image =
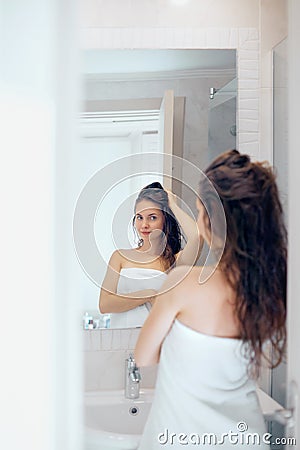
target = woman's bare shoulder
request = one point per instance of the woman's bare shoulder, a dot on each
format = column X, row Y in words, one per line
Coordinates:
column 179, row 278
column 121, row 256
column 123, row 253
column 188, row 279
column 204, row 284
column 124, row 257
column 184, row 270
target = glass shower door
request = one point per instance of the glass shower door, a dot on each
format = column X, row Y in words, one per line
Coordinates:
column 222, row 119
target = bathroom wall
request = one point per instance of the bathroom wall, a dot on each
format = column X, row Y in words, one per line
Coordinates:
column 104, row 357
column 273, row 29
column 281, row 164
column 165, row 13
column 280, row 116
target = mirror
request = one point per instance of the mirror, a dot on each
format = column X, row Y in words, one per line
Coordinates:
column 124, row 92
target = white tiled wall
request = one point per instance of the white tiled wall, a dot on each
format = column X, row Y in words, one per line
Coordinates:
column 109, row 339
column 105, row 351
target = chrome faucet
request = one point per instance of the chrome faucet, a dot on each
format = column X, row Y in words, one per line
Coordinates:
column 132, row 378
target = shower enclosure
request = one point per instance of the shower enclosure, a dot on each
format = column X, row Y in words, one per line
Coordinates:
column 222, row 119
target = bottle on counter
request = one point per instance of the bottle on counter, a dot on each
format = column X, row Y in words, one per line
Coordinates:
column 87, row 321
column 104, row 321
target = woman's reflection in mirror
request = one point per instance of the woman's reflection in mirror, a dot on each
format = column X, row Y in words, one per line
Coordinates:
column 134, row 276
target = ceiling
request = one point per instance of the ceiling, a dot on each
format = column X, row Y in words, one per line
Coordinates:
column 139, row 61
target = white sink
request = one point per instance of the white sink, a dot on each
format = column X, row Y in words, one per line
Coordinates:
column 114, row 422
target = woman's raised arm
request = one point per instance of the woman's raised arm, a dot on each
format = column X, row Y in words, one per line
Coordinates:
column 194, row 244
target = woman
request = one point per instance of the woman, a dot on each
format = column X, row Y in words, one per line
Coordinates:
column 209, row 338
column 134, row 276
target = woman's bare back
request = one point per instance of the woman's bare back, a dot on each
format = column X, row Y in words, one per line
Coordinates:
column 208, row 308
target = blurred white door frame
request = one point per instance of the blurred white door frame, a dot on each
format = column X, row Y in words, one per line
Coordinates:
column 40, row 387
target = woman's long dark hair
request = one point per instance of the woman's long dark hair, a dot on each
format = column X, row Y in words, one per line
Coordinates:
column 255, row 255
column 155, row 193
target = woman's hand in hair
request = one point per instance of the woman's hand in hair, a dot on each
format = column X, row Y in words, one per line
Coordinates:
column 172, row 198
column 194, row 242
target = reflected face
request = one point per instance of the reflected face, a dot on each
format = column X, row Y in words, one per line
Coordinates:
column 148, row 217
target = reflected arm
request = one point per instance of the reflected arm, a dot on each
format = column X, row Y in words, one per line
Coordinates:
column 110, row 301
column 194, row 244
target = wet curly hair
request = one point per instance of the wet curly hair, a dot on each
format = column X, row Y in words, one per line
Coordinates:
column 254, row 260
column 155, row 193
